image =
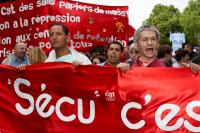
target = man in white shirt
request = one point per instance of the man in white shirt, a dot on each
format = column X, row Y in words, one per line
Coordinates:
column 59, row 38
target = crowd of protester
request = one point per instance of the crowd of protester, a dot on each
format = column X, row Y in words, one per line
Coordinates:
column 144, row 51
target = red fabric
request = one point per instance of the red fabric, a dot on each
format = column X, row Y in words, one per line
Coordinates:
column 111, row 91
column 90, row 25
column 131, row 32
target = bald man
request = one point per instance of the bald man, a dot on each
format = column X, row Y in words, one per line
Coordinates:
column 19, row 56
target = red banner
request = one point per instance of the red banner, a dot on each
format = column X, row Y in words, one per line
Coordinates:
column 90, row 25
column 56, row 97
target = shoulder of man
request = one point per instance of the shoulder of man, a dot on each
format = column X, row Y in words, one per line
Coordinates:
column 51, row 57
column 80, row 57
column 7, row 60
column 158, row 63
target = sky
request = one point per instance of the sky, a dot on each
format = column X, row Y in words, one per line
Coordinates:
column 139, row 10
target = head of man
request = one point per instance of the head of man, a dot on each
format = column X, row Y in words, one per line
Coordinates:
column 59, row 36
column 114, row 53
column 20, row 50
column 182, row 56
column 165, row 53
column 147, row 41
column 188, row 47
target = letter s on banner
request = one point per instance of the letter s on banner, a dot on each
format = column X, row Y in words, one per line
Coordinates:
column 162, row 124
column 124, row 111
column 19, row 108
column 189, row 110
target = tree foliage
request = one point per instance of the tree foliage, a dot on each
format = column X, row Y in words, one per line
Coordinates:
column 169, row 19
column 166, row 19
column 190, row 21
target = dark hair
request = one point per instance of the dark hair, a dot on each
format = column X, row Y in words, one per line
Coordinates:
column 189, row 44
column 163, row 50
column 130, row 42
column 117, row 43
column 65, row 29
column 196, row 60
column 180, row 53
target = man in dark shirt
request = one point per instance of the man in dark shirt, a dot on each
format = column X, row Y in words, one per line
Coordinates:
column 189, row 48
column 114, row 54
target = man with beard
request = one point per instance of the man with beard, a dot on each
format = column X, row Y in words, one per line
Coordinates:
column 114, row 54
column 147, row 41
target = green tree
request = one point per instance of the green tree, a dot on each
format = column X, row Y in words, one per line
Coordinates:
column 166, row 19
column 190, row 21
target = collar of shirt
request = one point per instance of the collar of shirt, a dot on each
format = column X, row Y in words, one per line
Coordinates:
column 106, row 64
column 15, row 61
column 154, row 63
column 65, row 58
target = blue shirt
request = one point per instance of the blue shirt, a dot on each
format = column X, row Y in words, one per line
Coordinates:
column 15, row 62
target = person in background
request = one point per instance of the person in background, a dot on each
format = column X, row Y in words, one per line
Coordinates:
column 19, row 56
column 96, row 60
column 165, row 55
column 196, row 60
column 189, row 48
column 36, row 55
column 195, row 64
column 182, row 58
column 195, row 67
column 147, row 40
column 133, row 54
column 59, row 38
column 114, row 54
column 126, row 54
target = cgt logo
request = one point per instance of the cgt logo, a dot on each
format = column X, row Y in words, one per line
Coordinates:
column 110, row 95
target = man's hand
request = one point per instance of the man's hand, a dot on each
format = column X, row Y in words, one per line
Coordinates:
column 194, row 67
column 124, row 67
column 21, row 67
column 77, row 63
